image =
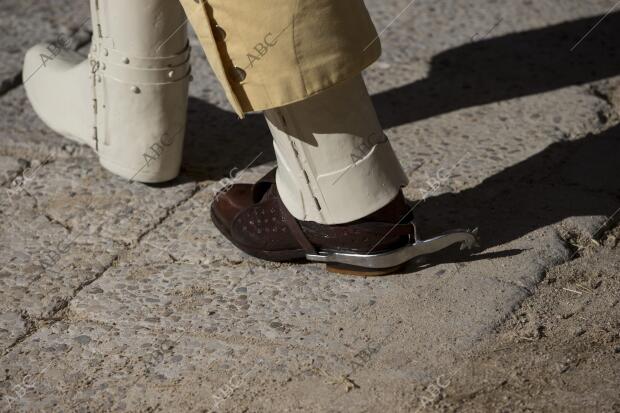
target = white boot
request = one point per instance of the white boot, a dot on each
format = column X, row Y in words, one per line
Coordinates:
column 335, row 164
column 128, row 101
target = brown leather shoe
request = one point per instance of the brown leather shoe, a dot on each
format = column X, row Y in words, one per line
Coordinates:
column 255, row 220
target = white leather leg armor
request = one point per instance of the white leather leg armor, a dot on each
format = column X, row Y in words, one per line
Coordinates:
column 128, row 100
column 335, row 164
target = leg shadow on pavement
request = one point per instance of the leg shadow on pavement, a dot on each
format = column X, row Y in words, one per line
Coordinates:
column 216, row 142
column 567, row 179
column 506, row 67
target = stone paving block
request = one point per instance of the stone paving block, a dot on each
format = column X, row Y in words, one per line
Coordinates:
column 42, row 264
column 443, row 311
column 58, row 233
column 396, row 351
column 343, row 335
column 62, row 361
column 289, row 303
column 423, row 306
column 91, row 366
column 79, row 193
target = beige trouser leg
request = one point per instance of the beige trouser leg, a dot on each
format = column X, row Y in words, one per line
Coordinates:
column 335, row 164
column 128, row 100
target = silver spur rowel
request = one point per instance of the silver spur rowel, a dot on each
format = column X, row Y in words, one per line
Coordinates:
column 390, row 259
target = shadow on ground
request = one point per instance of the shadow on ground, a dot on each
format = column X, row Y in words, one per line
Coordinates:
column 217, row 141
column 507, row 67
column 567, row 179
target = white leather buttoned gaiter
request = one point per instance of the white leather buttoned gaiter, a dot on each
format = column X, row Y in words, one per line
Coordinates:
column 335, row 164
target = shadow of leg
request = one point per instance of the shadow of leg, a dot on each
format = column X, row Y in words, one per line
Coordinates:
column 217, row 141
column 507, row 67
column 567, row 179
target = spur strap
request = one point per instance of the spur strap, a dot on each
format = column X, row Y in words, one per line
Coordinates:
column 298, row 233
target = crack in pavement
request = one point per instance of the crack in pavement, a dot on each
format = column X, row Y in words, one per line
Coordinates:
column 39, row 323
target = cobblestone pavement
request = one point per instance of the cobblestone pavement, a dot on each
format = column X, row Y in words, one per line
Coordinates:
column 118, row 296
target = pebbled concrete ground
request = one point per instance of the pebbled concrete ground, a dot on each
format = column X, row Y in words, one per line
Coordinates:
column 121, row 296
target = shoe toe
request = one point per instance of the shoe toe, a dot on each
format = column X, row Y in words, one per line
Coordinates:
column 57, row 82
column 229, row 202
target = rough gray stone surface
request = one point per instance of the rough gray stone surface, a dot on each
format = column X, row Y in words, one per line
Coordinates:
column 9, row 168
column 118, row 296
column 22, row 22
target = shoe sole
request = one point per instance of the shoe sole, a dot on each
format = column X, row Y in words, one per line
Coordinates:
column 361, row 271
